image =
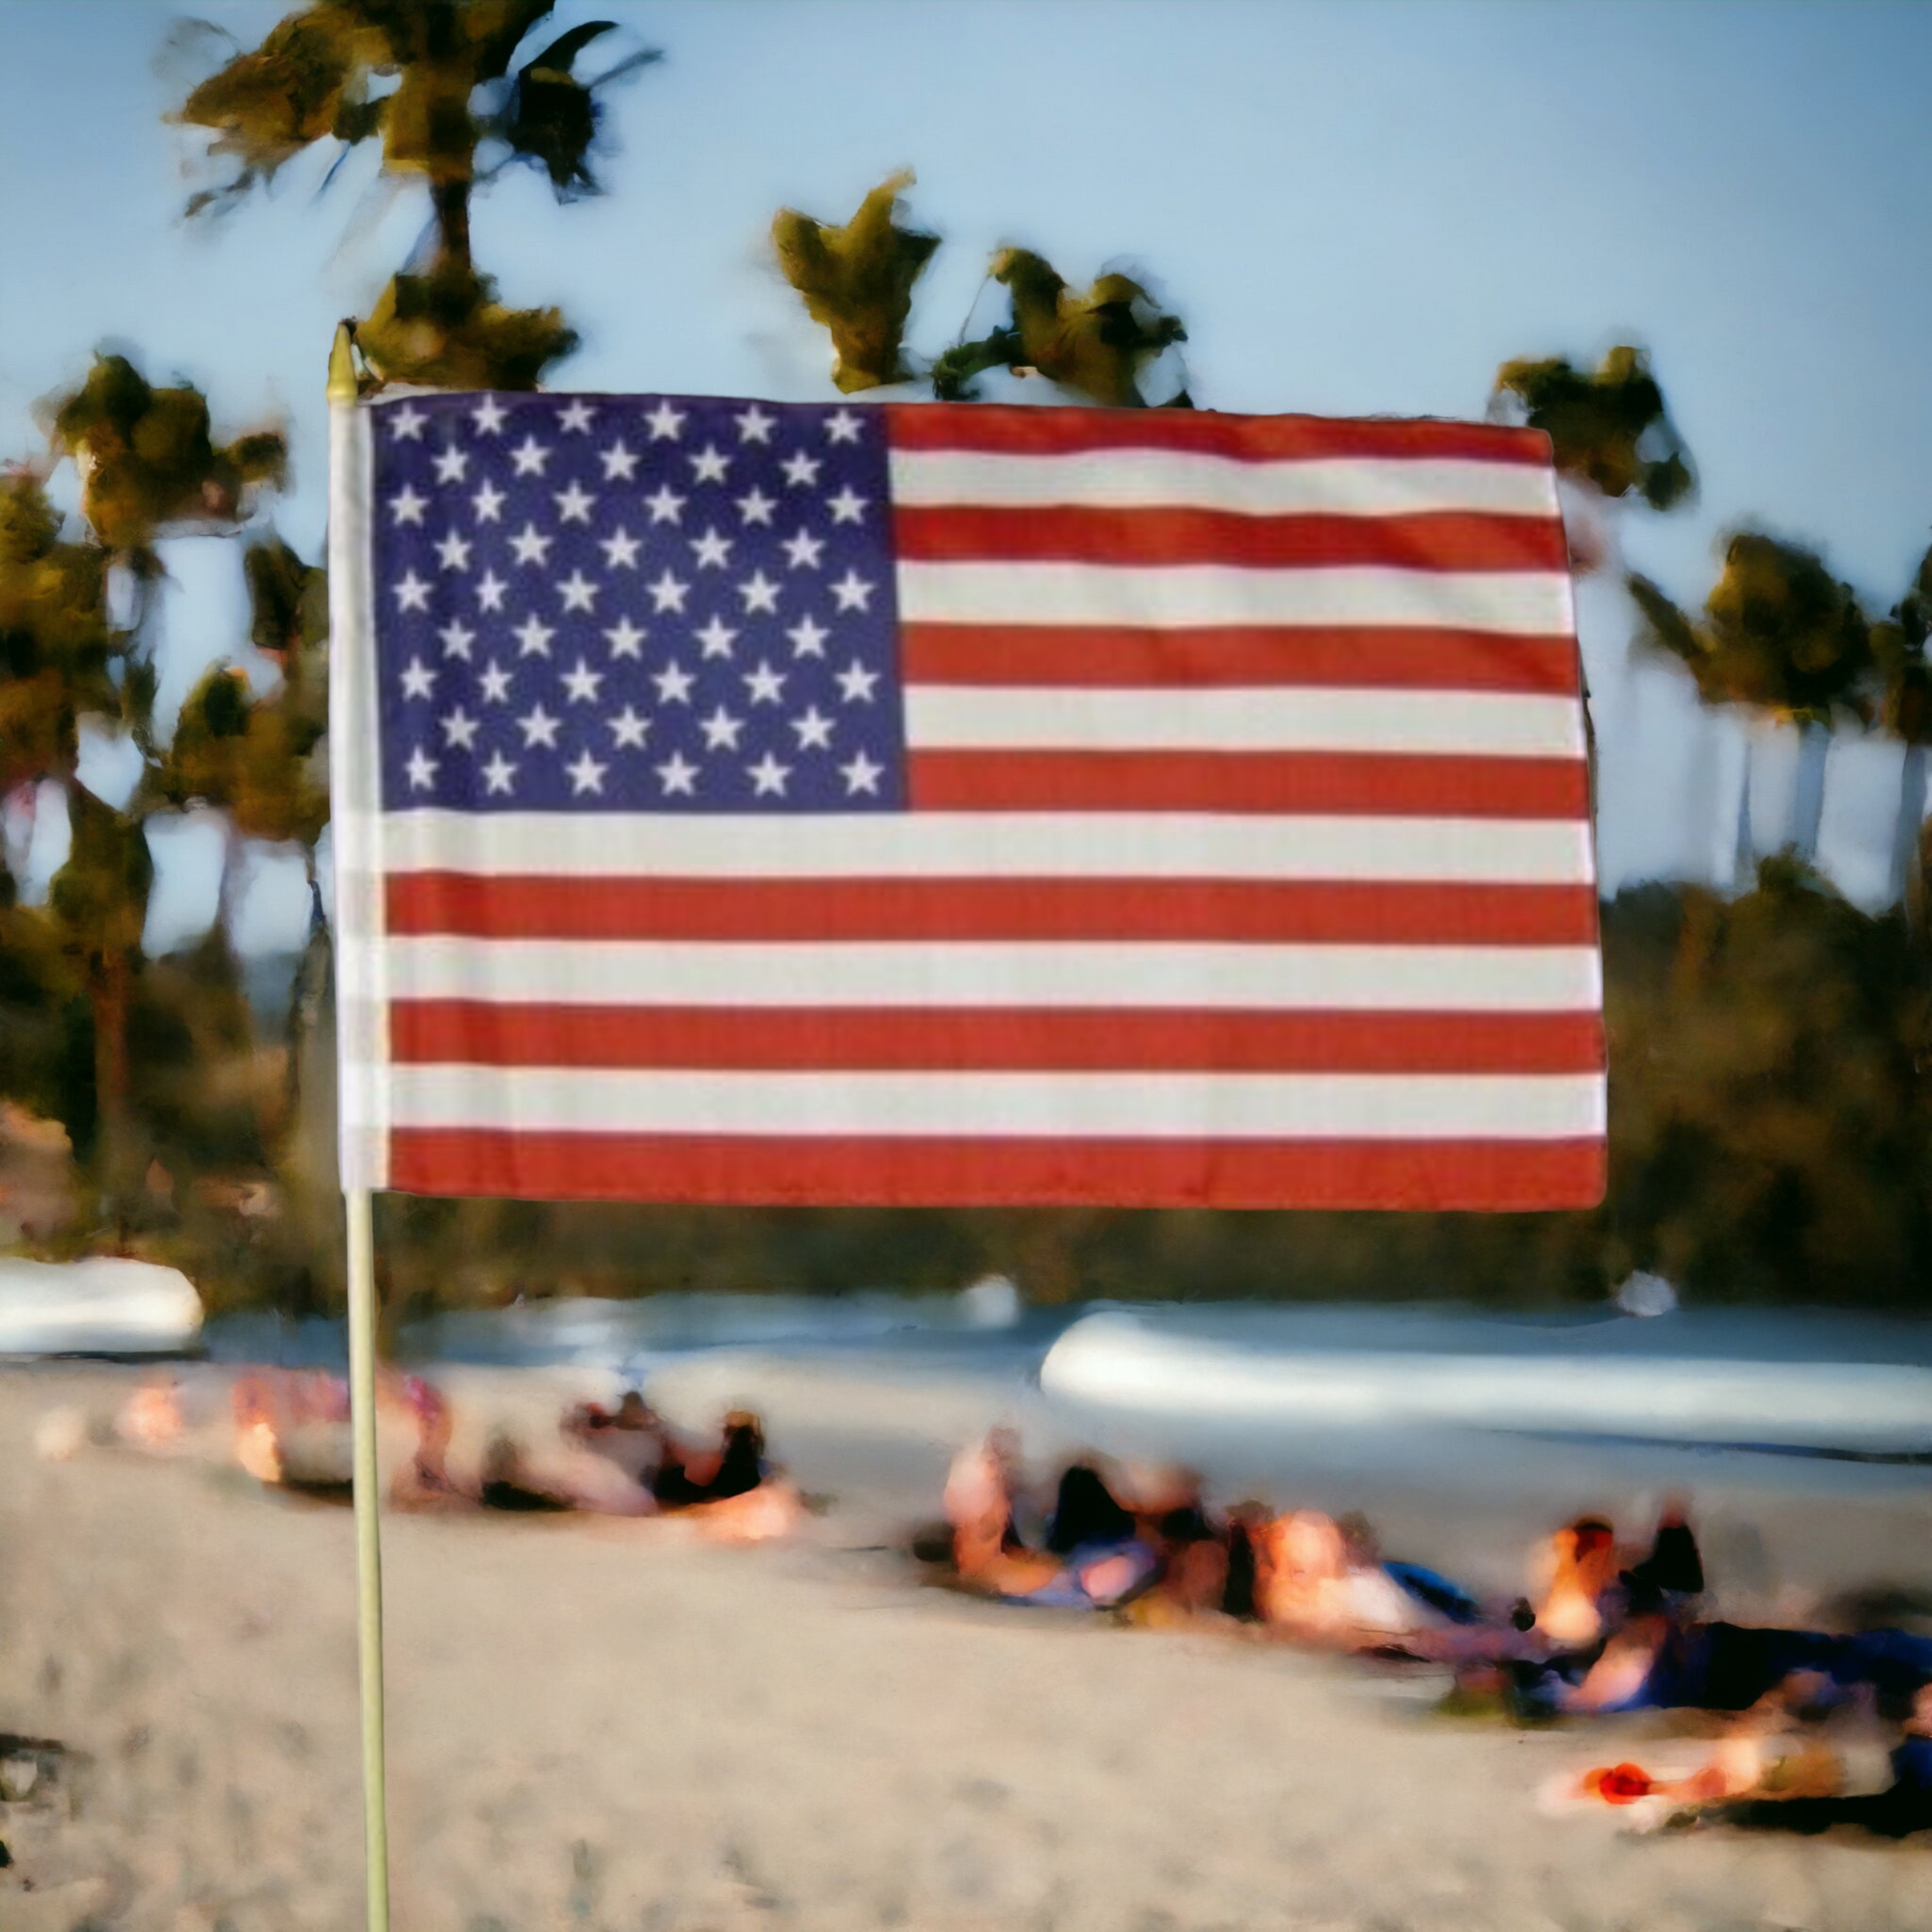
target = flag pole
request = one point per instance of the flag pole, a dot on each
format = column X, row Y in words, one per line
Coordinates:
column 346, row 519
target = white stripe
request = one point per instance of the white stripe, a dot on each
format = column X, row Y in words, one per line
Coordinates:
column 1129, row 479
column 354, row 787
column 1139, row 1106
column 865, row 973
column 1470, row 724
column 1523, row 603
column 999, row 845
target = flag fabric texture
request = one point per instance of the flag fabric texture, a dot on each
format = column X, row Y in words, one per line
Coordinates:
column 920, row 804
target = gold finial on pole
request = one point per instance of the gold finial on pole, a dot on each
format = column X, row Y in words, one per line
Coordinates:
column 342, row 384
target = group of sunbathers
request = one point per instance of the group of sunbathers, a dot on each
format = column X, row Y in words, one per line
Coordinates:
column 1604, row 1628
column 290, row 1430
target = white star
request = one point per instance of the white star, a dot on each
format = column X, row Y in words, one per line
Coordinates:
column 456, row 637
column 848, row 506
column 408, row 506
column 716, row 637
column 573, row 505
column 765, row 685
column 406, row 424
column 629, row 729
column 800, row 470
column 815, row 730
column 667, row 593
column 581, row 685
column 709, row 464
column 539, row 727
column 759, row 593
column 842, row 428
column 666, row 422
column 720, row 729
column 578, row 591
column 498, row 772
column 768, row 775
column 494, row 684
column 489, row 501
column 459, row 729
column 533, row 637
column 418, row 680
column 490, row 591
column 675, row 774
column 624, row 637
column 576, row 416
column 711, row 550
column 853, row 592
column 450, row 465
column 804, row 550
column 530, row 545
column 487, row 416
column 755, row 507
column 421, row 770
column 618, row 463
column 453, row 553
column 529, row 457
column 412, row 593
column 586, row 774
column 754, row 425
column 665, row 504
column 856, row 682
column 861, row 775
column 673, row 684
column 807, row 639
column 621, row 547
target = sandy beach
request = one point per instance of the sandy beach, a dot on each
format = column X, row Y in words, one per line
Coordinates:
column 610, row 1725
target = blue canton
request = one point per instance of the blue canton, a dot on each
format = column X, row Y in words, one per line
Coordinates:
column 634, row 604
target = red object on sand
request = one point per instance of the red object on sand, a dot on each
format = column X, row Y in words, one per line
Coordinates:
column 1623, row 1784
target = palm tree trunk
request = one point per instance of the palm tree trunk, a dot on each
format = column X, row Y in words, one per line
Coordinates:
column 451, row 201
column 1743, row 869
column 108, row 989
column 1807, row 795
column 1908, row 882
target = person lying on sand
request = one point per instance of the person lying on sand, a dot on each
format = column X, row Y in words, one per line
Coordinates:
column 732, row 1493
column 1903, row 1807
column 1656, row 1663
column 1763, row 1754
column 1319, row 1582
column 1579, row 1569
column 1094, row 1557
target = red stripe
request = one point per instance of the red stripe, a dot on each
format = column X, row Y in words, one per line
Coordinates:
column 1447, row 540
column 1342, row 912
column 1015, row 430
column 1375, row 784
column 1362, row 657
column 1493, row 1175
column 477, row 1033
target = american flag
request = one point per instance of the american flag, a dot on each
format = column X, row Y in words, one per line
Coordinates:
column 743, row 801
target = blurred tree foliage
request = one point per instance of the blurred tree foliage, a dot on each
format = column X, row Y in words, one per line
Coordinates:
column 856, row 284
column 1782, row 638
column 439, row 85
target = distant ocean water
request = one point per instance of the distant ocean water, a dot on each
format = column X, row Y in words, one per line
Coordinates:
column 1786, row 1380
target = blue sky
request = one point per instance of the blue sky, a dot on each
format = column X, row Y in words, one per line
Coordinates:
column 1358, row 208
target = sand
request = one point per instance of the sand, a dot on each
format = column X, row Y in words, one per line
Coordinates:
column 611, row 1726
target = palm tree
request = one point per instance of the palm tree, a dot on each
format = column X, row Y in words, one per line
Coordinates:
column 457, row 95
column 857, row 283
column 149, row 468
column 1780, row 636
column 1611, row 437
